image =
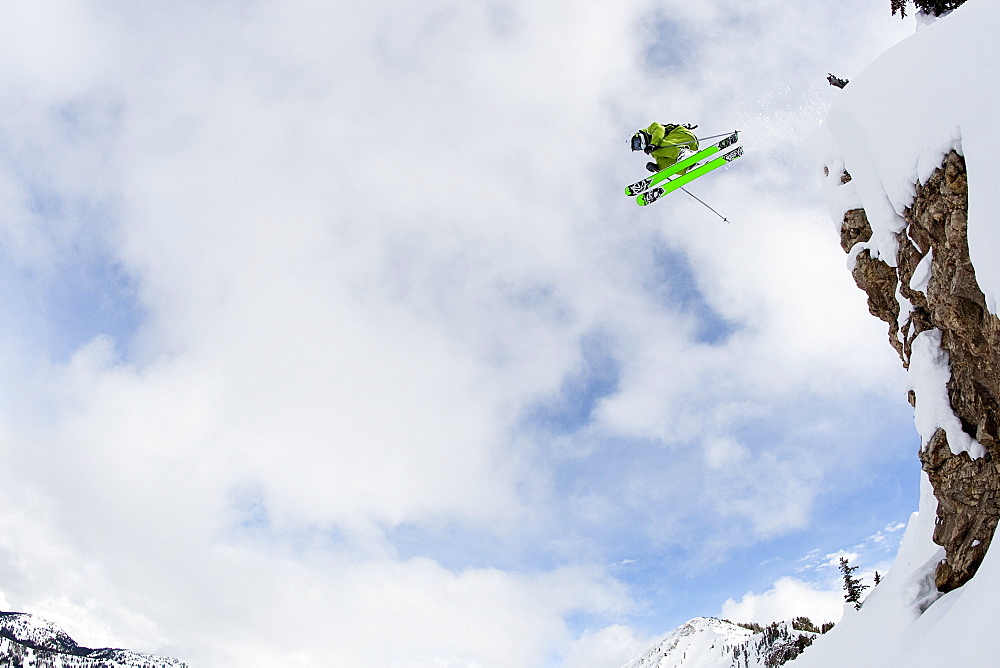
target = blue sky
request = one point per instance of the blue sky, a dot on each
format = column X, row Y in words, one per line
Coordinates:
column 338, row 313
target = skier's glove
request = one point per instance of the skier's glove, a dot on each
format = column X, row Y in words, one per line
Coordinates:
column 649, row 150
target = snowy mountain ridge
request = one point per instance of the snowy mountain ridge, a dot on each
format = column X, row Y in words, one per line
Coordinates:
column 34, row 631
column 28, row 641
column 707, row 642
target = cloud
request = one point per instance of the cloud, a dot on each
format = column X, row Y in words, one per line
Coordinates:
column 724, row 453
column 788, row 598
column 874, row 553
column 297, row 299
column 606, row 647
column 817, row 591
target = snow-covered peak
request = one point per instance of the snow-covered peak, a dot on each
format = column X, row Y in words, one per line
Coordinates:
column 29, row 640
column 703, row 641
column 35, row 632
column 706, row 642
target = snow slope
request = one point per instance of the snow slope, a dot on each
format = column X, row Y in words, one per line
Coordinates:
column 705, row 642
column 936, row 91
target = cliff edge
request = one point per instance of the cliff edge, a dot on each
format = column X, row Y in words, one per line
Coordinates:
column 910, row 177
column 930, row 299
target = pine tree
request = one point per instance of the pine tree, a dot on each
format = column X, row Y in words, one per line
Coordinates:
column 933, row 7
column 878, row 578
column 852, row 585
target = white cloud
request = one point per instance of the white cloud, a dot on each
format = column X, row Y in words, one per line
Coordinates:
column 788, row 598
column 367, row 242
column 724, row 453
column 52, row 45
column 613, row 645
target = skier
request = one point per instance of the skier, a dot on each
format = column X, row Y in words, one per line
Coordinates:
column 678, row 160
column 667, row 144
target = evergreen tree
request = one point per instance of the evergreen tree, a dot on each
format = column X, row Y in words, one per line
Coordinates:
column 878, row 578
column 852, row 585
column 933, row 7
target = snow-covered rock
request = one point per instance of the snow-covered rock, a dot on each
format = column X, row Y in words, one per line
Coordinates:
column 912, row 154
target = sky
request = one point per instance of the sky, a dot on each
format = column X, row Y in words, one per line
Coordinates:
column 328, row 337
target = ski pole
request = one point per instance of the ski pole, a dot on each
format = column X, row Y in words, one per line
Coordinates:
column 724, row 134
column 706, row 206
column 716, row 136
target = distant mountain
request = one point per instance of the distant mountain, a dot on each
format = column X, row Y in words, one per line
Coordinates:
column 27, row 640
column 706, row 642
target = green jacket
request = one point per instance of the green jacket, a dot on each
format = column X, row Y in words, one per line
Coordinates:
column 668, row 141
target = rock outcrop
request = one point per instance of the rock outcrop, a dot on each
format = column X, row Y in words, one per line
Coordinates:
column 934, row 286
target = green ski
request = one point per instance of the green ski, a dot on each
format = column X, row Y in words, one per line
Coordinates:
column 650, row 181
column 673, row 184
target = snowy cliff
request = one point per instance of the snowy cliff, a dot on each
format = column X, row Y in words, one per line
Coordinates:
column 910, row 177
column 27, row 641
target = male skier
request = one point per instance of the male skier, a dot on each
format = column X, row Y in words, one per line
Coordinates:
column 667, row 144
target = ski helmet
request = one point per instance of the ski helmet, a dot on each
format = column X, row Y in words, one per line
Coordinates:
column 640, row 140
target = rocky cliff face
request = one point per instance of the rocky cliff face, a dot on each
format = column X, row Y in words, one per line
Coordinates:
column 933, row 289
